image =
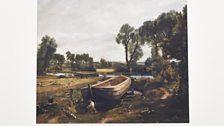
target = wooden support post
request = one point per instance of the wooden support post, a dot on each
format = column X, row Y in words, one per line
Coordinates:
column 90, row 91
column 71, row 93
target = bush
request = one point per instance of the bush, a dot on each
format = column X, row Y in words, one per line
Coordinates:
column 121, row 68
column 139, row 69
column 87, row 68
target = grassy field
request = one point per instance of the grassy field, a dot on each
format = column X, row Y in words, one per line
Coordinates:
column 105, row 70
column 57, row 87
column 52, row 83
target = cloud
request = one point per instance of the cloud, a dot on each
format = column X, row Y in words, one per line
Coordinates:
column 90, row 26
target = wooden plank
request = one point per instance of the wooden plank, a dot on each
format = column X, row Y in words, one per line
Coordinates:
column 90, row 91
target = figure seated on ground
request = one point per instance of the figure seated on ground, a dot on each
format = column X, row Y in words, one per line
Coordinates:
column 91, row 107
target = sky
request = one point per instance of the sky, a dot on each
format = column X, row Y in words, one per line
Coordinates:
column 91, row 26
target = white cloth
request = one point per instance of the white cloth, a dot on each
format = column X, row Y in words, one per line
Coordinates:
column 91, row 105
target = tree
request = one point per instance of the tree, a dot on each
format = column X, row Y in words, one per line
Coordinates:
column 130, row 39
column 158, row 33
column 78, row 59
column 179, row 39
column 83, row 59
column 169, row 33
column 135, row 52
column 175, row 46
column 109, row 64
column 45, row 53
column 68, row 55
column 103, row 63
column 148, row 61
column 84, row 62
column 58, row 59
column 90, row 61
column 71, row 58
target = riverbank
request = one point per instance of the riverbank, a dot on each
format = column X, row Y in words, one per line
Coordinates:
column 152, row 104
column 53, row 83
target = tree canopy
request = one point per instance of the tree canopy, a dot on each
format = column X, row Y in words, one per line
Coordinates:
column 158, row 32
column 130, row 39
column 58, row 59
column 70, row 57
column 168, row 33
column 45, row 53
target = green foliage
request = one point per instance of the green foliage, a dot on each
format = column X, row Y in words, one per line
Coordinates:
column 58, row 60
column 168, row 33
column 76, row 95
column 70, row 57
column 148, row 61
column 120, row 68
column 130, row 39
column 165, row 73
column 134, row 49
column 178, row 39
column 124, row 36
column 158, row 32
column 87, row 68
column 104, row 63
column 80, row 60
column 83, row 59
column 45, row 53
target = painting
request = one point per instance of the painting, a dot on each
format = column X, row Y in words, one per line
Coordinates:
column 112, row 61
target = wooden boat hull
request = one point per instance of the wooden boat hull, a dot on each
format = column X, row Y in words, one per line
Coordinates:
column 111, row 92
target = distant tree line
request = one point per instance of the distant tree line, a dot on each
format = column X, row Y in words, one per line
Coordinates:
column 47, row 58
column 80, row 61
column 105, row 64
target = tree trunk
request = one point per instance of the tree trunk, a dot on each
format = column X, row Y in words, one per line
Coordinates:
column 164, row 54
column 156, row 50
column 133, row 53
column 156, row 41
column 126, row 57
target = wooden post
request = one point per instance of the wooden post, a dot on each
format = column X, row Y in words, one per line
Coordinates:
column 90, row 91
column 71, row 93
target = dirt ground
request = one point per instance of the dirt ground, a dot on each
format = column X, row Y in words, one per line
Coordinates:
column 52, row 83
column 156, row 105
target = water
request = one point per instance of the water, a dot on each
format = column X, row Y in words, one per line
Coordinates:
column 133, row 76
column 61, row 74
column 137, row 76
column 142, row 76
